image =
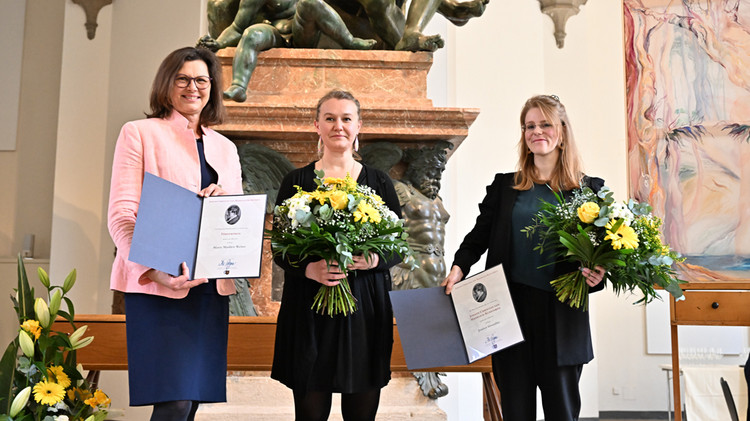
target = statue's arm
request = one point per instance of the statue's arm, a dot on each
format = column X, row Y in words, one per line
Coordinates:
column 402, row 191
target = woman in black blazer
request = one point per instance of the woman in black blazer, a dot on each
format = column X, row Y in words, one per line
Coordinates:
column 557, row 338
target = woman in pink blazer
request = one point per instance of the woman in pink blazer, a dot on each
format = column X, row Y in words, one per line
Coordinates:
column 176, row 326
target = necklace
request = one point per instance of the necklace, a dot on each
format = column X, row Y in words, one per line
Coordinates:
column 350, row 172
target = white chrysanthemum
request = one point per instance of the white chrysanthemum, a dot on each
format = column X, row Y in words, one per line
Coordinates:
column 620, row 210
column 295, row 204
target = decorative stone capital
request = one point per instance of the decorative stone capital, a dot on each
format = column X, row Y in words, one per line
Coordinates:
column 560, row 11
column 92, row 7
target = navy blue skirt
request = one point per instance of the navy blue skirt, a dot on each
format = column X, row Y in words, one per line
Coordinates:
column 177, row 349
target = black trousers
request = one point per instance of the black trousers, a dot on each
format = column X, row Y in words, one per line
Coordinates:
column 520, row 369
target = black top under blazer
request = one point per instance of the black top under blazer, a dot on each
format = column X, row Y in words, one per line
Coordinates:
column 492, row 233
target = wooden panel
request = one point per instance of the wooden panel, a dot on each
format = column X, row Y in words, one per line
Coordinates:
column 719, row 308
column 251, row 341
column 716, row 284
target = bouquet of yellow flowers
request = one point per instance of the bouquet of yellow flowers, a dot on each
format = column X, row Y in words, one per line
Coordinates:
column 44, row 382
column 595, row 230
column 336, row 221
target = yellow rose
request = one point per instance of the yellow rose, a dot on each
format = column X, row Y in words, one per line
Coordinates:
column 588, row 212
column 339, row 199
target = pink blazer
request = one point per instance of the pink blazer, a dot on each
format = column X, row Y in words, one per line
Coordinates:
column 166, row 148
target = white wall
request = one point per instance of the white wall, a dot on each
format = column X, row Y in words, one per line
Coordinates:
column 27, row 171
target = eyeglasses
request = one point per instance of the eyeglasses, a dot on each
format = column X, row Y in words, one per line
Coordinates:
column 532, row 127
column 183, row 81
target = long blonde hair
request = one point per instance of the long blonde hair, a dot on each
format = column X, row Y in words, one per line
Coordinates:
column 569, row 170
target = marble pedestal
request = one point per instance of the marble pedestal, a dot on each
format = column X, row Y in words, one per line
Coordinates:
column 259, row 398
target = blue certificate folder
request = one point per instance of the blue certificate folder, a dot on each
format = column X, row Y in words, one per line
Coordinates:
column 168, row 227
column 166, row 231
column 428, row 327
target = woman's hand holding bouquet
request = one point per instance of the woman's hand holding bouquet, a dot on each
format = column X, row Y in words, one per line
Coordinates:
column 346, row 225
column 595, row 230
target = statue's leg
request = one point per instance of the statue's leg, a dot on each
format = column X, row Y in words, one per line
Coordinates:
column 386, row 19
column 245, row 16
column 256, row 38
column 314, row 17
column 459, row 12
column 419, row 15
column 220, row 15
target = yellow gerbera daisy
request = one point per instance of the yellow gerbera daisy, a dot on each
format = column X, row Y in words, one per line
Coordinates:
column 624, row 237
column 32, row 326
column 365, row 212
column 59, row 375
column 48, row 393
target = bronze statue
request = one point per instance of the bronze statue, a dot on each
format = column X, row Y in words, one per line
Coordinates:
column 421, row 13
column 425, row 219
column 424, row 215
column 258, row 25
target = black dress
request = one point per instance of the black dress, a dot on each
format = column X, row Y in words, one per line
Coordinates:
column 344, row 354
column 177, row 348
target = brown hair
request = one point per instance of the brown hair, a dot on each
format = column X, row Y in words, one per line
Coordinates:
column 568, row 171
column 337, row 94
column 161, row 104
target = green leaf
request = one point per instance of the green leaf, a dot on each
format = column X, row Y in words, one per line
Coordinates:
column 674, row 289
column 71, row 309
column 7, row 376
column 25, row 309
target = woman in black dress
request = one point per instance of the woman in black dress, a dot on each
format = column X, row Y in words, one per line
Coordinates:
column 316, row 355
column 557, row 338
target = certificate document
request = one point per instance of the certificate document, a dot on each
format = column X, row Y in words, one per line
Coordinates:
column 231, row 236
column 438, row 330
column 217, row 236
column 485, row 313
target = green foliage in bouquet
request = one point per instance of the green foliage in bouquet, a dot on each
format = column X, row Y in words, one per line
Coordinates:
column 336, row 221
column 595, row 230
column 43, row 382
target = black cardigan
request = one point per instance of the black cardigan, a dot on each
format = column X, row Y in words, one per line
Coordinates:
column 491, row 233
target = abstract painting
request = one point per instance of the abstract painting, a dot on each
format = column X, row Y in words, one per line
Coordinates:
column 688, row 104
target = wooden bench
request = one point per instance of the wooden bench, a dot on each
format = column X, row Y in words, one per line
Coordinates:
column 250, row 348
